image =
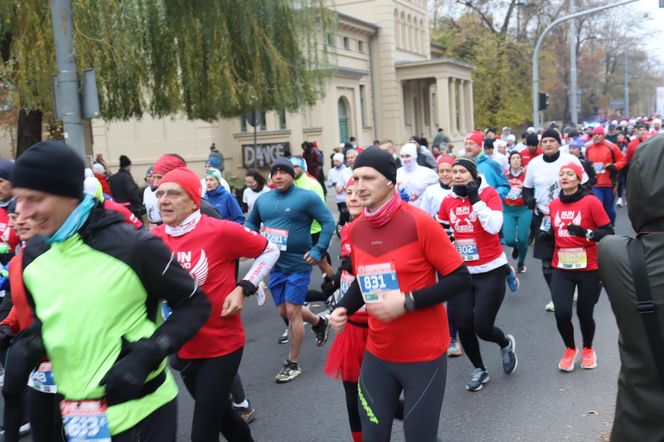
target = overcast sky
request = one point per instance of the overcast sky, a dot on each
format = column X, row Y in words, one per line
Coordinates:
column 650, row 34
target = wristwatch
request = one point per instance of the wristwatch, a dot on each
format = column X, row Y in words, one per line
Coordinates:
column 590, row 235
column 409, row 302
column 248, row 288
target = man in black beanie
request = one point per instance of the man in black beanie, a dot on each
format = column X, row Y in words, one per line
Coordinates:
column 95, row 284
column 532, row 149
column 398, row 250
column 125, row 190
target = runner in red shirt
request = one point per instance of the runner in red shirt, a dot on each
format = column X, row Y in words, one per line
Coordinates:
column 396, row 251
column 517, row 216
column 607, row 160
column 532, row 149
column 578, row 222
column 209, row 362
column 474, row 212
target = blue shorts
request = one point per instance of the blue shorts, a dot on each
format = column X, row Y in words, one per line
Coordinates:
column 289, row 288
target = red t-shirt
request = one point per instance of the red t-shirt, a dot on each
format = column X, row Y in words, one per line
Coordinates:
column 20, row 316
column 7, row 234
column 210, row 253
column 476, row 245
column 514, row 196
column 526, row 156
column 416, row 245
column 574, row 252
column 601, row 155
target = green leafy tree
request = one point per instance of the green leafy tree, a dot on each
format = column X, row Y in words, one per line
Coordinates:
column 206, row 59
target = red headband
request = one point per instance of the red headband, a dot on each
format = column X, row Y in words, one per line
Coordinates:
column 576, row 168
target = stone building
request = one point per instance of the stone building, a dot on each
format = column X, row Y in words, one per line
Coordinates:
column 390, row 82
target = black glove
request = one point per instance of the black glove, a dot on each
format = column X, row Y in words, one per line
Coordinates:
column 531, row 203
column 473, row 192
column 328, row 286
column 612, row 168
column 346, row 263
column 460, row 190
column 6, row 336
column 545, row 236
column 575, row 230
column 125, row 380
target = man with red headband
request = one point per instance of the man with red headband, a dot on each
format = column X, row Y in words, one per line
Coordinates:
column 607, row 160
column 210, row 361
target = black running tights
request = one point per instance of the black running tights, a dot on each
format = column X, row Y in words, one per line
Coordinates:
column 475, row 312
column 209, row 382
column 563, row 284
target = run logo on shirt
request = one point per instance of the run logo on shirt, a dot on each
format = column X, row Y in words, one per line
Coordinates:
column 200, row 271
column 564, row 219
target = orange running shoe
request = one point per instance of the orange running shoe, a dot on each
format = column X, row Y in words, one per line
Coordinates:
column 568, row 360
column 589, row 358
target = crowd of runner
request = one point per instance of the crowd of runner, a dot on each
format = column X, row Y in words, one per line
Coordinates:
column 431, row 240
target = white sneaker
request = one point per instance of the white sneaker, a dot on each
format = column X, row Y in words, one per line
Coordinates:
column 619, row 203
column 549, row 307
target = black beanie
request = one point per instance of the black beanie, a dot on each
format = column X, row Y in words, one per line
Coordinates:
column 380, row 160
column 469, row 164
column 6, row 169
column 532, row 140
column 552, row 133
column 124, row 161
column 51, row 167
column 283, row 164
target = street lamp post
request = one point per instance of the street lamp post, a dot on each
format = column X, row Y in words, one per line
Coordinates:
column 540, row 40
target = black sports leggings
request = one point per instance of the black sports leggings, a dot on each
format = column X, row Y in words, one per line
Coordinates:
column 352, row 402
column 44, row 415
column 159, row 426
column 562, row 292
column 475, row 312
column 209, row 382
column 380, row 384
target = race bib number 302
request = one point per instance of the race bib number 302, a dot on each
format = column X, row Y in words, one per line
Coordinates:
column 85, row 421
column 467, row 248
column 377, row 279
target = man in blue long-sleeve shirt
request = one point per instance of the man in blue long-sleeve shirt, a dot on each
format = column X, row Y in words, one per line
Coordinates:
column 286, row 215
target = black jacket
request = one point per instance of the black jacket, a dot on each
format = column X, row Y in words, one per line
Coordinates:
column 124, row 190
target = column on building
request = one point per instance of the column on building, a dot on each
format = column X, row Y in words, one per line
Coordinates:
column 463, row 120
column 468, row 97
column 443, row 103
column 454, row 129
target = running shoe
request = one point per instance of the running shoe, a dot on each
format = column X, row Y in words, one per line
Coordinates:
column 549, row 307
column 508, row 353
column 22, row 430
column 321, row 330
column 619, row 203
column 512, row 280
column 247, row 413
column 289, row 372
column 589, row 358
column 521, row 268
column 283, row 339
column 568, row 360
column 515, row 253
column 477, row 380
column 454, row 350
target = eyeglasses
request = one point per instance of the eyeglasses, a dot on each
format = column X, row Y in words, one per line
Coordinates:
column 171, row 194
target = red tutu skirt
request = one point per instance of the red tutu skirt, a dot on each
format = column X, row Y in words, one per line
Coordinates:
column 345, row 356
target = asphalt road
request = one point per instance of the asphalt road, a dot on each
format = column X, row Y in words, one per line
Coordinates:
column 536, row 403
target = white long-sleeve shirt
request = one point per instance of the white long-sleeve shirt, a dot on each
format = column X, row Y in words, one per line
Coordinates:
column 339, row 175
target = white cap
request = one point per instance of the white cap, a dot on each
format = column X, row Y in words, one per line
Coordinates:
column 531, row 130
column 91, row 185
column 338, row 157
column 98, row 168
column 409, row 148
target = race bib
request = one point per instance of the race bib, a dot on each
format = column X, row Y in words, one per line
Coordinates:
column 278, row 237
column 599, row 168
column 572, row 258
column 42, row 380
column 514, row 194
column 376, row 280
column 467, row 248
column 85, row 421
column 346, row 280
column 546, row 223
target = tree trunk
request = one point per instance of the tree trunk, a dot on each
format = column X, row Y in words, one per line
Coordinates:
column 29, row 130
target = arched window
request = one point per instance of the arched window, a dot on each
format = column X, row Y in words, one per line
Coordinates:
column 397, row 29
column 404, row 32
column 342, row 109
column 409, row 23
